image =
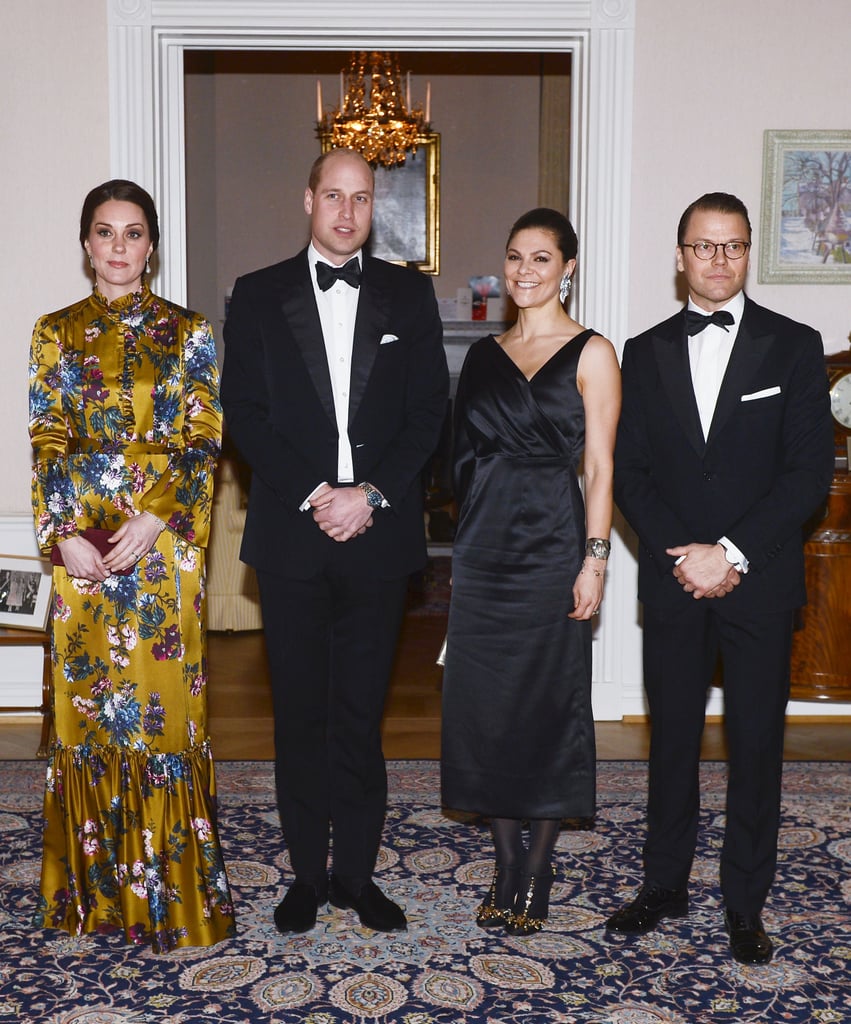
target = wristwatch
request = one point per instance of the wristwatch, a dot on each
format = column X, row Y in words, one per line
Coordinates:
column 374, row 497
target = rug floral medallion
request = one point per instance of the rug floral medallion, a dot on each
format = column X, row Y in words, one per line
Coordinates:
column 444, row 970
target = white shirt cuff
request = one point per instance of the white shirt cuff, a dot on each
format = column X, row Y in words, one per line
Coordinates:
column 305, row 505
column 734, row 555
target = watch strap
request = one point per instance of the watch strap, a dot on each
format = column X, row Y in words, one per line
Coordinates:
column 374, row 497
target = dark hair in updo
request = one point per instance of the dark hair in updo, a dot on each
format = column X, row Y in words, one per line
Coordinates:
column 545, row 219
column 124, row 191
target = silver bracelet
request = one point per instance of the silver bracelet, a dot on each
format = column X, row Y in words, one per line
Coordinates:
column 596, row 547
column 156, row 519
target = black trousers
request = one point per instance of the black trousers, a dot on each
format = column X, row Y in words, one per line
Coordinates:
column 331, row 642
column 680, row 656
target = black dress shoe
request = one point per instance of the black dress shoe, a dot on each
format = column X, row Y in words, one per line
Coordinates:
column 652, row 903
column 373, row 908
column 748, row 942
column 297, row 910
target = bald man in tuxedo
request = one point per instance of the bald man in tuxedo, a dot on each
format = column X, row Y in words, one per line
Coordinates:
column 334, row 388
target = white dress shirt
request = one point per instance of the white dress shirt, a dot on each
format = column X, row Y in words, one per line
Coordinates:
column 338, row 308
column 709, row 353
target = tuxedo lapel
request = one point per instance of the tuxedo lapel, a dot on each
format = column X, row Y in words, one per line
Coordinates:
column 671, row 351
column 370, row 323
column 298, row 306
column 749, row 350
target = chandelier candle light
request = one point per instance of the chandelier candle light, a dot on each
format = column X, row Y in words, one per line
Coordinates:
column 373, row 118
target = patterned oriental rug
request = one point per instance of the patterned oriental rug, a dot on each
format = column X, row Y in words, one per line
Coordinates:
column 444, row 970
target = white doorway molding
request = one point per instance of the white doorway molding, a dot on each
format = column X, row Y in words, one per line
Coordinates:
column 147, row 40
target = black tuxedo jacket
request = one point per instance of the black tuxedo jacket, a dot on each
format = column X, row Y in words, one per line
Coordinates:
column 276, row 393
column 757, row 478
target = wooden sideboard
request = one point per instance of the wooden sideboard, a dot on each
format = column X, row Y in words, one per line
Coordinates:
column 821, row 647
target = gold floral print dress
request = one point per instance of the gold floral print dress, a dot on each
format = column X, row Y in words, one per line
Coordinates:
column 125, row 417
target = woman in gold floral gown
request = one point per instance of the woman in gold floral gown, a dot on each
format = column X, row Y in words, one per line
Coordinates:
column 125, row 425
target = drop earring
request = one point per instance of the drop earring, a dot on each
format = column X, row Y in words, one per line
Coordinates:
column 564, row 288
column 148, row 265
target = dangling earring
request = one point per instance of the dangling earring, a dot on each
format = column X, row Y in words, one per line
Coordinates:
column 564, row 288
column 148, row 265
column 91, row 261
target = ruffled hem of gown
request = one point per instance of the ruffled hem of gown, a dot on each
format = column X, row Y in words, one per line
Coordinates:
column 131, row 845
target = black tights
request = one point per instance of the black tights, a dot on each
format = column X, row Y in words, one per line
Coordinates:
column 508, row 840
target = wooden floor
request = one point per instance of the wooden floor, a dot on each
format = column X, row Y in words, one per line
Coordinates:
column 241, row 713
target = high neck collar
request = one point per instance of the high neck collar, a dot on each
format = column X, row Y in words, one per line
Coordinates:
column 126, row 305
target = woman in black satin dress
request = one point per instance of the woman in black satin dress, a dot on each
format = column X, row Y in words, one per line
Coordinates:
column 528, row 569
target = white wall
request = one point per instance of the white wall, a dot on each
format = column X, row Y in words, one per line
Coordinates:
column 54, row 146
column 771, row 65
column 778, row 65
column 774, row 66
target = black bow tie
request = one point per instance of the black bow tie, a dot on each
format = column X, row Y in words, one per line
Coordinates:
column 695, row 322
column 326, row 275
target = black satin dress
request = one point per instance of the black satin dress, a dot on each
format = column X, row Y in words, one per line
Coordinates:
column 518, row 731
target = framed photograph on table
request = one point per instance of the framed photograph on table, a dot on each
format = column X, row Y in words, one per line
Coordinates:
column 25, row 587
column 806, row 208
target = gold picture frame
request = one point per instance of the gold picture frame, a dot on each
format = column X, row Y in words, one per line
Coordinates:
column 406, row 218
column 806, row 207
column 25, row 588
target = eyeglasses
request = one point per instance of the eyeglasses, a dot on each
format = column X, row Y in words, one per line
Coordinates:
column 707, row 250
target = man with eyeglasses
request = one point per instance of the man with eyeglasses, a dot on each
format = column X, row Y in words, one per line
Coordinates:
column 724, row 451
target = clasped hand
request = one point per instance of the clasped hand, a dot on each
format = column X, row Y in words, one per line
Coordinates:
column 341, row 512
column 133, row 539
column 704, row 570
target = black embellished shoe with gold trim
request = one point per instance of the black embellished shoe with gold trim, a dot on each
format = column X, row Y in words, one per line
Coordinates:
column 495, row 911
column 532, row 905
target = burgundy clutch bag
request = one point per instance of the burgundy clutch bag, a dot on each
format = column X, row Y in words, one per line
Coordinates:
column 100, row 539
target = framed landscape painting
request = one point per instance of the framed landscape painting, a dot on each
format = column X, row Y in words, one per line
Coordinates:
column 806, row 208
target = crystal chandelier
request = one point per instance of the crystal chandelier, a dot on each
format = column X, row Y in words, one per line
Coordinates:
column 374, row 117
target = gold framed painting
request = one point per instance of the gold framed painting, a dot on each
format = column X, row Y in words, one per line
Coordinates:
column 806, row 208
column 406, row 217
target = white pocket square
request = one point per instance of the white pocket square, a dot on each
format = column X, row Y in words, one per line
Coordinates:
column 765, row 393
column 387, row 338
